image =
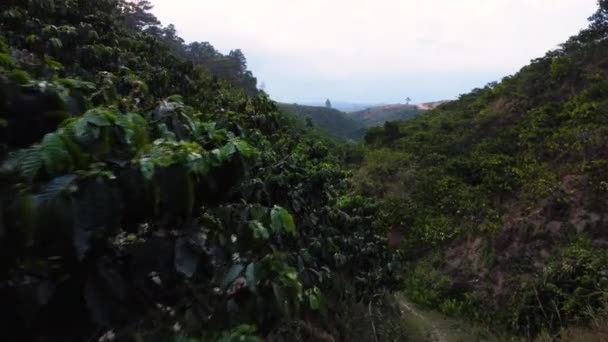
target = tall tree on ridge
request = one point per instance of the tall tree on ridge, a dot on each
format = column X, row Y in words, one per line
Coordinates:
column 139, row 16
column 600, row 18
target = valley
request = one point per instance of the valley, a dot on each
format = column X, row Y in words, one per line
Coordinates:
column 352, row 125
column 151, row 190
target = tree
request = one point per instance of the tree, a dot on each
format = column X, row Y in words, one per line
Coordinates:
column 309, row 122
column 391, row 130
column 599, row 21
column 139, row 16
column 239, row 60
column 327, row 103
column 408, row 100
column 201, row 53
column 170, row 38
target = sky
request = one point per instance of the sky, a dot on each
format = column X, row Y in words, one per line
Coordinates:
column 378, row 51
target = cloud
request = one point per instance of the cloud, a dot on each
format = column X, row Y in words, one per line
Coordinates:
column 339, row 41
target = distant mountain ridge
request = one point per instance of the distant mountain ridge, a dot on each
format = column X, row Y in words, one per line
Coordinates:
column 377, row 116
column 329, row 120
column 343, row 106
column 431, row 105
column 352, row 125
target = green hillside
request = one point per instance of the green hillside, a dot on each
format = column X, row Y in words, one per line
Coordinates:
column 501, row 196
column 378, row 116
column 350, row 126
column 329, row 120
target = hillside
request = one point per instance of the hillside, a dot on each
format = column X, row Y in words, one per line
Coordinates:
column 329, row 120
column 502, row 195
column 377, row 116
column 431, row 105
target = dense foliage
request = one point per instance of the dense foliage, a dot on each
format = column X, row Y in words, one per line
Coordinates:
column 494, row 192
column 131, row 213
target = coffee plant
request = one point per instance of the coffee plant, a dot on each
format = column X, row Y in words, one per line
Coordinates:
column 130, row 213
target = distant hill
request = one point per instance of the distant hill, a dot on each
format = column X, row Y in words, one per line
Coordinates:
column 431, row 105
column 329, row 120
column 347, row 107
column 377, row 116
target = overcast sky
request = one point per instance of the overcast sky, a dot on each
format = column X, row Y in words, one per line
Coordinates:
column 378, row 51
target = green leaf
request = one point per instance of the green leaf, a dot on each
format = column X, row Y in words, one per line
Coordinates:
column 259, row 231
column 98, row 117
column 200, row 166
column 313, row 302
column 176, row 99
column 30, row 162
column 56, row 157
column 215, row 158
column 54, row 188
column 79, row 159
column 258, row 213
column 227, row 151
column 244, row 148
column 281, row 220
column 314, row 297
column 87, row 129
column 165, row 133
column 134, row 129
column 83, row 134
column 147, row 168
column 56, row 43
column 6, row 61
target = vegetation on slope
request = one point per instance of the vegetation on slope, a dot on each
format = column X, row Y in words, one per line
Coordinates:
column 502, row 195
column 350, row 126
column 378, row 116
column 329, row 120
column 130, row 213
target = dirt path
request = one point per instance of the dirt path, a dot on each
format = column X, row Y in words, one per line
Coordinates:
column 428, row 326
column 435, row 333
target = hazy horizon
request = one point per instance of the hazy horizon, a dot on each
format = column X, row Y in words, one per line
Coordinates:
column 362, row 51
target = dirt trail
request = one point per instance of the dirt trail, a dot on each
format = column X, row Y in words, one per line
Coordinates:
column 428, row 326
column 435, row 333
